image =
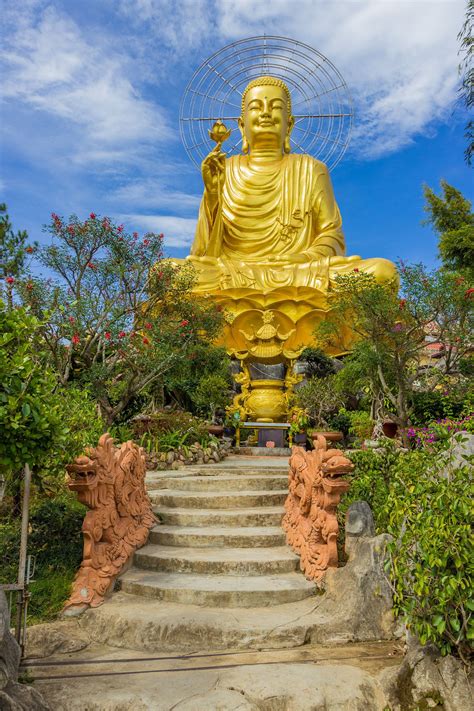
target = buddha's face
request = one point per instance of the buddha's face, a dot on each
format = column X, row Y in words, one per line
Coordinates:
column 265, row 121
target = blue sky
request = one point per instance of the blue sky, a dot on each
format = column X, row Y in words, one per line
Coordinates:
column 90, row 104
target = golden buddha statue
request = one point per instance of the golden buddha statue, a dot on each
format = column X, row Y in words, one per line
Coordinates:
column 268, row 218
column 269, row 244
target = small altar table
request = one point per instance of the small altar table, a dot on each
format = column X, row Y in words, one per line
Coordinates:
column 278, row 427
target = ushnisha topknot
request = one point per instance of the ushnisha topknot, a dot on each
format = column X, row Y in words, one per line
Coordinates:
column 267, row 81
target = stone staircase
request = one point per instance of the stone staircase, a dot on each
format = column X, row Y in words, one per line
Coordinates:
column 220, row 543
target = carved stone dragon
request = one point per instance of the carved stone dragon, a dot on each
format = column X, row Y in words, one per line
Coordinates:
column 111, row 483
column 315, row 490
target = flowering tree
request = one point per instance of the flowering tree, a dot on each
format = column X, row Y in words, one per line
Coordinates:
column 392, row 331
column 117, row 315
column 14, row 250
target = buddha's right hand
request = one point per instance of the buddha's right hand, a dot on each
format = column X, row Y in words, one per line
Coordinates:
column 213, row 171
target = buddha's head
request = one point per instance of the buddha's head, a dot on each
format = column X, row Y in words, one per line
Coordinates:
column 266, row 120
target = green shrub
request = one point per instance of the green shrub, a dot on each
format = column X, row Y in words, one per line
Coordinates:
column 320, row 398
column 212, row 393
column 55, row 541
column 318, row 364
column 341, row 421
column 433, row 405
column 424, row 501
column 370, row 481
column 429, row 511
column 362, row 424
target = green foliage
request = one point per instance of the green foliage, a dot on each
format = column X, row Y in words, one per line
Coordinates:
column 321, row 399
column 14, row 251
column 361, row 425
column 341, row 421
column 370, row 482
column 423, row 499
column 466, row 68
column 204, row 359
column 429, row 510
column 30, row 418
column 55, row 541
column 318, row 364
column 452, row 219
column 168, row 430
column 212, row 393
column 34, row 427
column 117, row 317
column 389, row 356
column 433, row 405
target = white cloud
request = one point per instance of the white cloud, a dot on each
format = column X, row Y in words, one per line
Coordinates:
column 178, row 231
column 51, row 65
column 154, row 194
column 179, row 24
column 399, row 57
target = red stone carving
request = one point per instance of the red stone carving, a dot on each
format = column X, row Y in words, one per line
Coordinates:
column 110, row 481
column 315, row 490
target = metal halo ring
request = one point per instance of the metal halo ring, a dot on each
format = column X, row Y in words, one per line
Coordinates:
column 321, row 101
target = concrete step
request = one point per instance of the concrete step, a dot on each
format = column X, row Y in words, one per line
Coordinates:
column 221, row 483
column 218, row 590
column 134, row 622
column 240, row 468
column 218, row 500
column 232, row 537
column 257, row 516
column 217, row 561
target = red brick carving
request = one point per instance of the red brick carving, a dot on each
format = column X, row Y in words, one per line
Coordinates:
column 110, row 481
column 315, row 490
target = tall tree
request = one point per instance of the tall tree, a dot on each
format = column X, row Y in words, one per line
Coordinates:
column 466, row 69
column 116, row 316
column 450, row 214
column 13, row 253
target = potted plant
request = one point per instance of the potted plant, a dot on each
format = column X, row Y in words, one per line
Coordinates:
column 212, row 394
column 321, row 400
column 299, row 421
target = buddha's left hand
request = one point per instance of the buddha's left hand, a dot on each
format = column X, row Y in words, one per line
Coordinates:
column 291, row 259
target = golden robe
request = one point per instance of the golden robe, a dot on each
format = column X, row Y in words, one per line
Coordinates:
column 269, row 215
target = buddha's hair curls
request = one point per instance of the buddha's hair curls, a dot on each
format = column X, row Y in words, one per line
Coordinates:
column 267, row 81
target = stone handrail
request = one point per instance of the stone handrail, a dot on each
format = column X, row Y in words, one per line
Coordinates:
column 315, row 490
column 110, row 481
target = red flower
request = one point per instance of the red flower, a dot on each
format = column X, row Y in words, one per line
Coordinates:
column 161, row 235
column 90, row 265
column 75, row 339
column 107, row 335
column 29, row 286
column 148, row 325
column 356, row 270
column 185, row 322
column 402, row 303
column 146, row 341
column 71, row 319
column 10, row 280
column 135, row 235
column 92, row 215
column 146, row 242
column 71, row 230
column 469, row 293
column 120, row 228
column 159, row 275
column 122, row 334
column 29, row 250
